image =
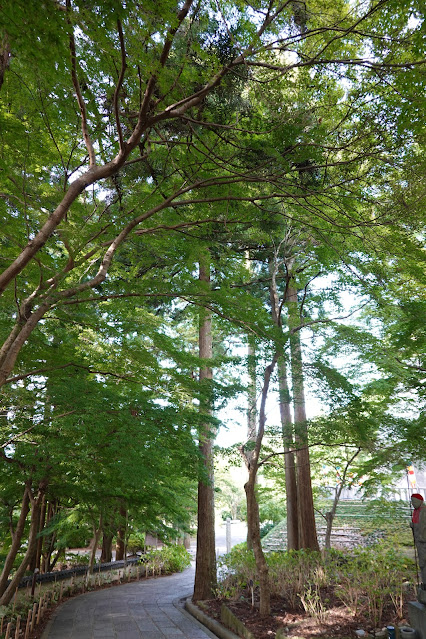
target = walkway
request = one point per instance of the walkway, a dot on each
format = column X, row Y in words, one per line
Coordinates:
column 146, row 609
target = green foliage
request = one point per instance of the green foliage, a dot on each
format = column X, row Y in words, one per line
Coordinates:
column 236, row 570
column 73, row 560
column 365, row 579
column 135, row 542
column 102, row 401
column 173, row 558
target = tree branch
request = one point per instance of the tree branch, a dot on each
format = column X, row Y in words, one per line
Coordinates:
column 77, row 88
column 120, row 84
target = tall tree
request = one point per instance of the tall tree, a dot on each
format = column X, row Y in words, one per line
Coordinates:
column 205, row 573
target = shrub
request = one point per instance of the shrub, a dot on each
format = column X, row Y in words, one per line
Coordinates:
column 167, row 559
column 365, row 580
column 236, row 570
column 136, row 542
column 74, row 559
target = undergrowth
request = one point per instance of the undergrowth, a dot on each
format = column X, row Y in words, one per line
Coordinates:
column 364, row 580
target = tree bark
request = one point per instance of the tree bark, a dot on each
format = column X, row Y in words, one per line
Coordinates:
column 106, row 555
column 286, row 421
column 50, row 539
column 205, row 568
column 39, row 551
column 307, row 526
column 289, row 458
column 32, row 543
column 97, row 533
column 16, row 541
column 253, row 523
column 4, row 57
column 251, row 411
column 121, row 535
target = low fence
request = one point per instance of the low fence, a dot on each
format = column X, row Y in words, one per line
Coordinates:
column 58, row 575
column 18, row 625
column 395, row 494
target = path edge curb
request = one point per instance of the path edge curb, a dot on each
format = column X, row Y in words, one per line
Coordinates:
column 213, row 625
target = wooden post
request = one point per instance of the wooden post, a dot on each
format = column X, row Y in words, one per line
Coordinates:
column 39, row 611
column 18, row 626
column 27, row 627
column 14, row 599
column 9, row 626
column 1, row 625
column 33, row 616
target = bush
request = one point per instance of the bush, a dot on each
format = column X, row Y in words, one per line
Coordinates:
column 136, row 542
column 266, row 527
column 236, row 570
column 365, row 580
column 74, row 559
column 167, row 559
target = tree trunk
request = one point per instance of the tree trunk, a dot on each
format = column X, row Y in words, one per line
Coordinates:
column 121, row 535
column 4, row 56
column 251, row 392
column 329, row 516
column 97, row 533
column 106, row 555
column 49, row 546
column 253, row 523
column 32, row 544
column 205, row 567
column 286, row 421
column 16, row 541
column 40, row 539
column 289, row 458
column 251, row 411
column 305, row 502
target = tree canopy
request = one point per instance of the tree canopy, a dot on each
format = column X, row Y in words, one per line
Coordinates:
column 138, row 137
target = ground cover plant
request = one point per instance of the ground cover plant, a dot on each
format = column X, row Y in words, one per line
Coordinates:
column 319, row 594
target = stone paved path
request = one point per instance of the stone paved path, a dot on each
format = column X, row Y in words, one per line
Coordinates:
column 146, row 609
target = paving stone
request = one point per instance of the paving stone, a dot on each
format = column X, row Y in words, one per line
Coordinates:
column 139, row 610
column 150, row 634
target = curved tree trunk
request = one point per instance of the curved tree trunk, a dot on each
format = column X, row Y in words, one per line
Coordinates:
column 16, row 541
column 253, row 523
column 32, row 544
column 97, row 534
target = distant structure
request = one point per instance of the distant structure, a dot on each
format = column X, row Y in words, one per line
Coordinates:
column 414, row 481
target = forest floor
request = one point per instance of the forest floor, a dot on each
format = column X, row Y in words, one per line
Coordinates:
column 334, row 622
